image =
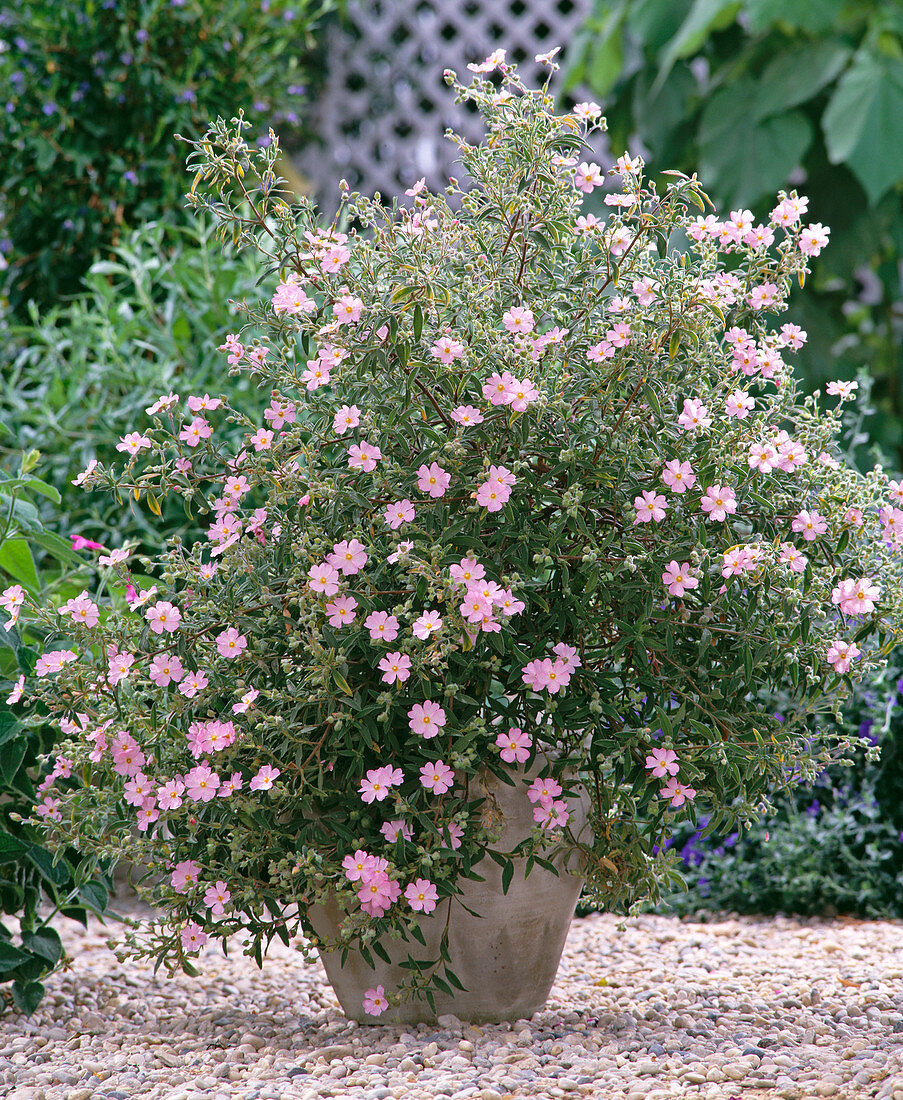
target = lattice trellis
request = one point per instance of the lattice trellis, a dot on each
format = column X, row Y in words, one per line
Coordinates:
column 384, row 108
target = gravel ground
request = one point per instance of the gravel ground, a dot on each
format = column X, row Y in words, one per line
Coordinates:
column 723, row 1010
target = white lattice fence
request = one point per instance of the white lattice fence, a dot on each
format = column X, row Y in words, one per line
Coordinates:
column 385, row 107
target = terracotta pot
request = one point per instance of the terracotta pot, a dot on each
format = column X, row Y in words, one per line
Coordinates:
column 506, row 958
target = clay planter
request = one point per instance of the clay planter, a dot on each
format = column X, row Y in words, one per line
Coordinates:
column 507, row 958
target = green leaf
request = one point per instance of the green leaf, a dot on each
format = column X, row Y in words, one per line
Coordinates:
column 11, row 847
column 10, row 957
column 94, row 896
column 863, row 122
column 797, row 74
column 57, row 874
column 747, row 159
column 606, row 61
column 418, row 321
column 814, row 16
column 60, row 548
column 704, row 17
column 27, row 996
column 44, row 942
column 11, row 756
column 507, row 875
column 17, row 561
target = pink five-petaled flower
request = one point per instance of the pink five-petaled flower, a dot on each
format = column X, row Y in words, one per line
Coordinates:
column 193, row 433
column 809, row 524
column 438, row 777
column 357, row 867
column 587, row 177
column 552, row 815
column 201, row 783
column 400, row 512
column 348, row 416
column 375, row 1003
column 518, row 319
column 324, row 578
column 383, row 627
column 856, row 596
column 230, row 643
column 81, row 609
column 421, row 895
column 193, row 937
column 492, row 496
column 185, row 874
column 53, row 661
column 678, row 476
column 719, row 501
column 265, row 778
column 467, row 415
column 133, row 443
column 120, row 666
column 842, row 654
column 447, row 350
column 739, row 404
column 169, row 795
column 216, row 898
column 163, row 617
column 679, row 578
column 663, row 762
column 544, row 790
column 378, row 783
column 341, row 612
column 349, row 556
column 363, row 456
column 426, row 624
column 694, row 416
column 515, row 745
column 677, row 792
column 426, row 718
column 392, row 830
column 433, row 479
column 395, row 667
column 649, row 506
column 165, row 668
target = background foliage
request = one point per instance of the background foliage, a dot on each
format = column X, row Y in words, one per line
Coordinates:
column 96, row 91
column 29, row 874
column 762, row 94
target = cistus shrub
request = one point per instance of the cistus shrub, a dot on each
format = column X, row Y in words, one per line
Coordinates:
column 94, row 93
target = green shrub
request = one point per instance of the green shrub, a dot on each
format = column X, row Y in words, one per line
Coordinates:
column 95, row 92
column 29, row 873
column 148, row 321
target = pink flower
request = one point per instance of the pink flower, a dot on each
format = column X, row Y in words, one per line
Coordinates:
column 363, row 457
column 341, row 612
column 467, row 570
column 201, row 783
column 163, row 617
column 358, row 866
column 392, row 830
column 204, row 404
column 762, row 297
column 403, row 547
column 81, row 609
column 518, row 319
column 426, row 718
column 265, row 778
column 230, row 643
column 498, row 389
column 79, row 542
column 383, row 627
column 663, row 762
column 231, row 785
column 324, row 579
column 185, row 874
column 375, row 1003
column 193, row 433
column 467, row 415
column 809, row 524
column 347, row 309
column 193, row 937
column 133, row 443
column 349, row 556
column 739, row 404
column 163, row 403
column 649, row 506
column 422, row 895
column 217, row 897
column 796, row 559
column 137, row 789
column 280, row 413
column 813, row 239
column 544, row 790
column 535, row 674
column 719, row 502
column 262, row 439
column 246, row 702
column 378, row 783
column 523, row 394
column 18, row 690
column 475, row 606
column 601, row 351
column 678, row 476
column 842, row 654
column 378, row 894
column 165, row 668
column 644, row 289
column 492, row 495
column 447, row 350
column 169, row 795
column 553, row 815
column 316, row 375
column 426, row 624
column 515, row 745
column 694, row 416
column 53, row 661
column 679, row 578
column 437, row 777
column 290, row 298
column 193, row 683
column 762, row 457
column 508, row 604
column 433, row 479
column 348, row 416
column 587, row 177
column 395, row 667
column 856, row 596
column 677, row 792
column 400, row 512
column 791, row 456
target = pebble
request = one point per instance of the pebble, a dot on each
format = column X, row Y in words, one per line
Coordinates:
column 783, row 1008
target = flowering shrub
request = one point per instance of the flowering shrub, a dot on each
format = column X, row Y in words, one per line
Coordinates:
column 530, row 487
column 93, row 96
